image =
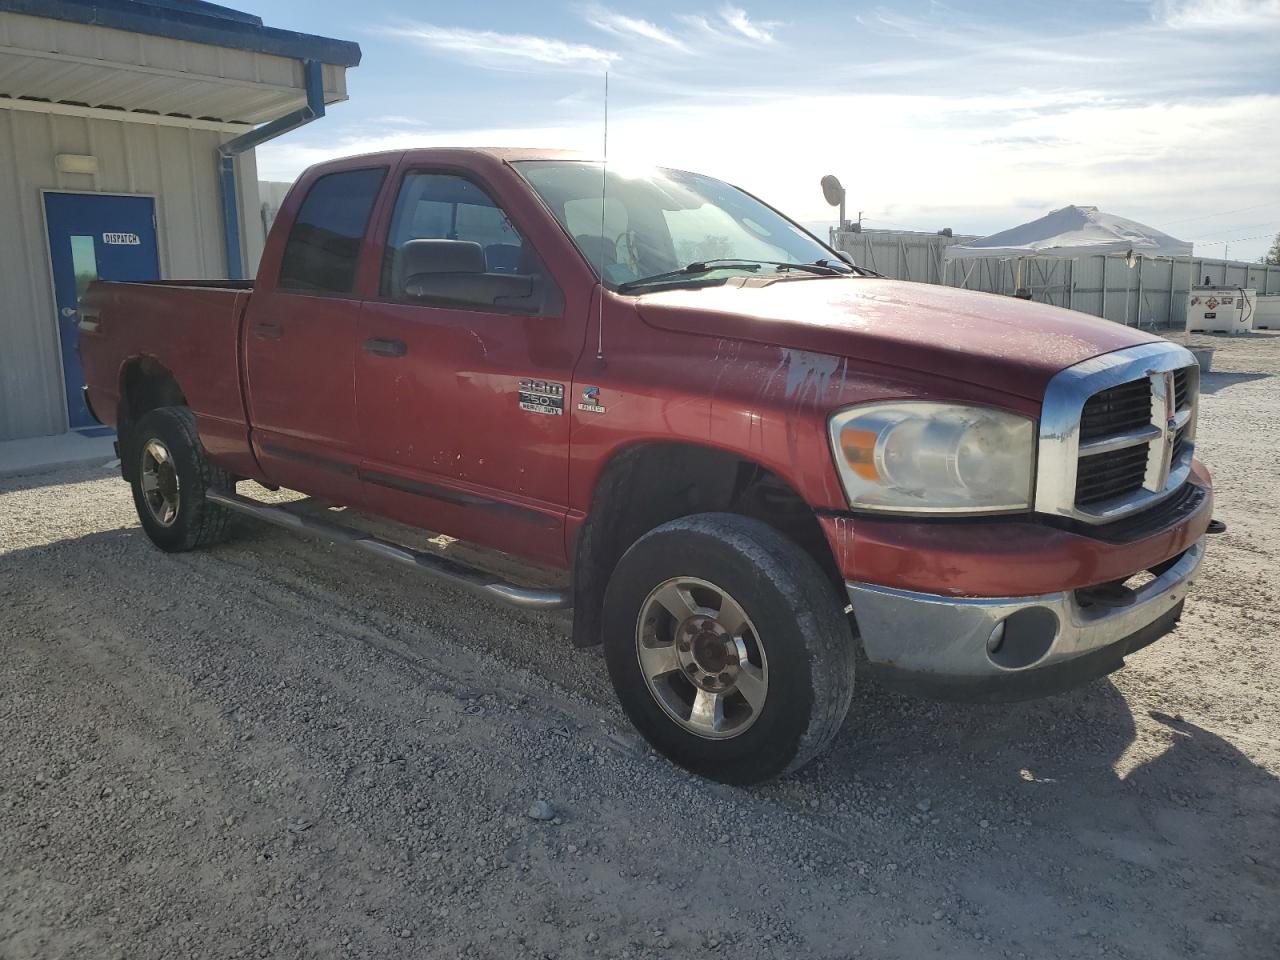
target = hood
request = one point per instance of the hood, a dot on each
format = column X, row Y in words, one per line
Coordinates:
column 993, row 341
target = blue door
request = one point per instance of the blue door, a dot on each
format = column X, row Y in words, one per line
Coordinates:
column 94, row 237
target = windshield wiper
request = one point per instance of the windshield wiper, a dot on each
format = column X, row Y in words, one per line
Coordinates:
column 732, row 263
column 823, row 268
column 691, row 270
column 819, row 267
column 849, row 269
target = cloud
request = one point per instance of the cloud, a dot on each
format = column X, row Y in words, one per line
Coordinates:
column 729, row 25
column 1217, row 14
column 505, row 51
column 1025, row 141
column 733, row 24
column 985, row 42
column 632, row 27
column 759, row 31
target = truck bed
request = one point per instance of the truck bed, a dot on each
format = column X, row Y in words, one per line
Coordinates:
column 188, row 327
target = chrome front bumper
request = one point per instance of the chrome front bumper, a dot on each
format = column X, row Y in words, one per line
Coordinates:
column 941, row 646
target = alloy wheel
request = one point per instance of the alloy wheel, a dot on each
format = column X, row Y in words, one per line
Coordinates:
column 702, row 658
column 159, row 480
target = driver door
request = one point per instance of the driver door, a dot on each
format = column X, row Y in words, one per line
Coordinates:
column 464, row 361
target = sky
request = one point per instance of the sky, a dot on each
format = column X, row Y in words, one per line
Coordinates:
column 975, row 116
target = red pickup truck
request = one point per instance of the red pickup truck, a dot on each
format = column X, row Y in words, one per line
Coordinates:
column 752, row 465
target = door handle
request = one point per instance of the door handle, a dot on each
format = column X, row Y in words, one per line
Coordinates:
column 268, row 331
column 384, row 347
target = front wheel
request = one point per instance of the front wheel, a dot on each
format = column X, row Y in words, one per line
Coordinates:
column 728, row 648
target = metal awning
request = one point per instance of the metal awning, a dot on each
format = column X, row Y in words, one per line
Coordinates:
column 50, row 78
column 197, row 61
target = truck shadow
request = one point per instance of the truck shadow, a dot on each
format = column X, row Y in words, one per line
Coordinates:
column 1080, row 749
column 1079, row 781
column 1211, row 383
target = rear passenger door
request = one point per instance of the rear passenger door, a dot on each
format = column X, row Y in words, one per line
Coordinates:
column 465, row 357
column 300, row 340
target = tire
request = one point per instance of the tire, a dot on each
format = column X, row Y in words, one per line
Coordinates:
column 171, row 474
column 793, row 653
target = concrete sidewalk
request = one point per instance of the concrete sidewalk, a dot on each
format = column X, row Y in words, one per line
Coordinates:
column 39, row 454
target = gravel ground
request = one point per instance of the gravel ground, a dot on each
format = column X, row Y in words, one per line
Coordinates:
column 271, row 749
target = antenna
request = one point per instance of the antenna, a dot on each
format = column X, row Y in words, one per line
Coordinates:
column 604, row 194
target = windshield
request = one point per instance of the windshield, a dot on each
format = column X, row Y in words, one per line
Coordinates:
column 657, row 222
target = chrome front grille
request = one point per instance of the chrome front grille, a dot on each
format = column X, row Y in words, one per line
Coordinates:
column 1117, row 432
column 1119, row 411
column 1182, row 387
column 1110, row 475
column 1116, row 409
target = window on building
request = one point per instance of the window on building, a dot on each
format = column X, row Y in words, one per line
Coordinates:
column 449, row 244
column 324, row 242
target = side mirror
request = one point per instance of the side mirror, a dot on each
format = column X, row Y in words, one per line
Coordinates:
column 472, row 289
column 832, row 191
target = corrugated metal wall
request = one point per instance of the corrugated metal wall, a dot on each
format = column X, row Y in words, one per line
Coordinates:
column 902, row 255
column 1152, row 294
column 174, row 164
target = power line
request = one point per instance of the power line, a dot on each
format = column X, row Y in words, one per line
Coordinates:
column 1223, row 213
column 1210, row 243
column 1267, row 225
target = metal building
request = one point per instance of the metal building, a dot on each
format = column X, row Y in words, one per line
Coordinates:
column 127, row 130
column 1151, row 294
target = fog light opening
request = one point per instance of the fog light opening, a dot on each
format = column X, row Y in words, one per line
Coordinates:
column 996, row 640
column 1023, row 638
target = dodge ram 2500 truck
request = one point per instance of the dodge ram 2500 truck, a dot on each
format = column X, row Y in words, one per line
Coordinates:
column 750, row 465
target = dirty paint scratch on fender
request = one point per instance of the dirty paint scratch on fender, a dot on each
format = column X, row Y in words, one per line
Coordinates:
column 809, row 375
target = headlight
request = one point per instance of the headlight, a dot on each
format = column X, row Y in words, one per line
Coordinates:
column 920, row 456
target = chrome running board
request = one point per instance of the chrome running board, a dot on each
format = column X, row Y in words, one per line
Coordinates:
column 448, row 571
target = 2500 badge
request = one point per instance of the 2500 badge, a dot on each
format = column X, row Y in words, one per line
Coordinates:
column 542, row 396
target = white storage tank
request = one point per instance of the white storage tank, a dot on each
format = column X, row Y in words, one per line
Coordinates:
column 1220, row 310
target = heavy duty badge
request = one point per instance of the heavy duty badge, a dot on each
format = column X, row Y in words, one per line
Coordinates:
column 542, row 396
column 591, row 400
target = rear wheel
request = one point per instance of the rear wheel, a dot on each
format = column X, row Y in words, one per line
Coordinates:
column 172, row 473
column 728, row 648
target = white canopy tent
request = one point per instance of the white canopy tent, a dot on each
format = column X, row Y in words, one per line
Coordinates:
column 1074, row 232
column 1070, row 233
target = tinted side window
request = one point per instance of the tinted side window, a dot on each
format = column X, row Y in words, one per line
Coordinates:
column 324, row 243
column 450, row 245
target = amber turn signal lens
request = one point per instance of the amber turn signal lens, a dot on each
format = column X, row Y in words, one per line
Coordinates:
column 859, row 448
